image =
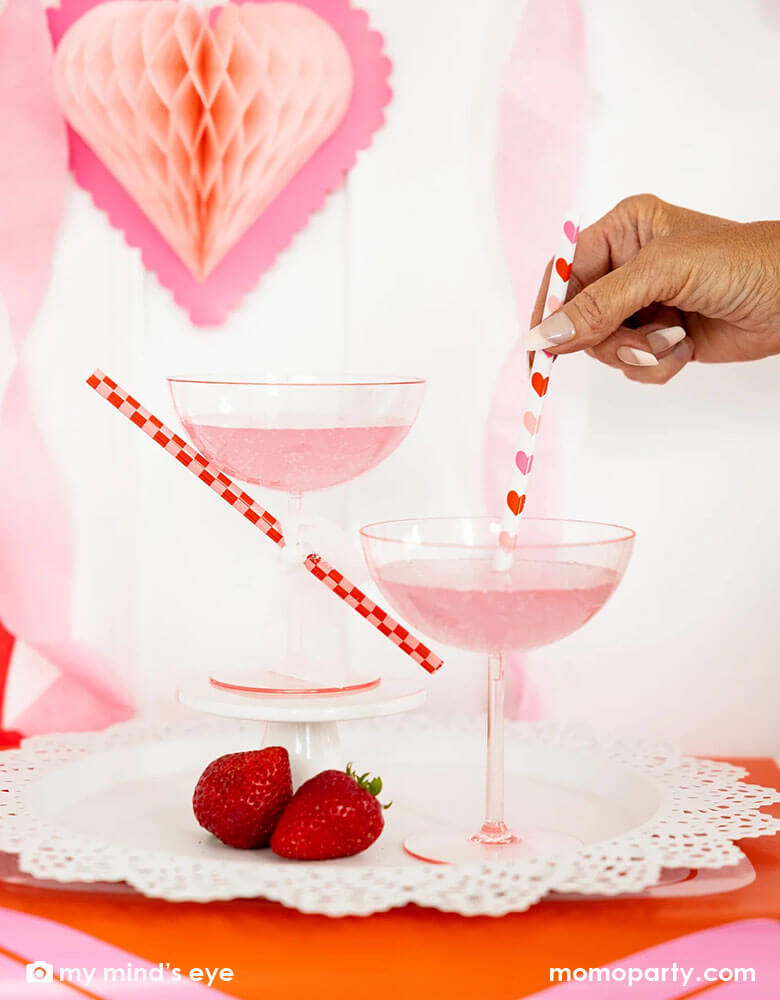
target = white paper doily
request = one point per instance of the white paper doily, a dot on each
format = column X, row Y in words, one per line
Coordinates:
column 115, row 806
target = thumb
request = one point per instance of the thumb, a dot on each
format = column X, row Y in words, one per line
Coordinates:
column 600, row 308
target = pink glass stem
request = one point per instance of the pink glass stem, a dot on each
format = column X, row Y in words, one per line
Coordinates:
column 292, row 526
column 494, row 830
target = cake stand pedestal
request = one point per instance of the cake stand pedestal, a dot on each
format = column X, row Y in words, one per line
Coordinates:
column 306, row 725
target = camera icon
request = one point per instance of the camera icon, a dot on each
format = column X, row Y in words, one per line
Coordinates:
column 39, row 972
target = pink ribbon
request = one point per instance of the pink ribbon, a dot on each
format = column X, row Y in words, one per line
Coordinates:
column 743, row 944
column 34, row 939
column 35, row 545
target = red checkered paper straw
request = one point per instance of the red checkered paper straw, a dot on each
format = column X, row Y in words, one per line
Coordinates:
column 223, row 486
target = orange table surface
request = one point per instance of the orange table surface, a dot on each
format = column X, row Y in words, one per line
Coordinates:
column 407, row 953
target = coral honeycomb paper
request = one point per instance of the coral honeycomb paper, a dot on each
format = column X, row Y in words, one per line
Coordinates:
column 206, row 118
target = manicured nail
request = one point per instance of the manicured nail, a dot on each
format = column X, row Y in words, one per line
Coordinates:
column 662, row 340
column 683, row 351
column 552, row 332
column 632, row 356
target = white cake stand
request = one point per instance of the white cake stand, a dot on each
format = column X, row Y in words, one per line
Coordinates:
column 307, row 725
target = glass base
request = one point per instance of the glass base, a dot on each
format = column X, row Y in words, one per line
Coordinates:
column 442, row 847
column 494, row 835
column 273, row 682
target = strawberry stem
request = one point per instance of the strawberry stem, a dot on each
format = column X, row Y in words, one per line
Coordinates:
column 371, row 785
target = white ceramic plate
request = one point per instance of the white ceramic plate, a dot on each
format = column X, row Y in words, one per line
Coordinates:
column 116, row 807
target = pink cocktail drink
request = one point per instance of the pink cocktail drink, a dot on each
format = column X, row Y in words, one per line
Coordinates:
column 297, row 435
column 466, row 603
column 295, row 459
column 441, row 574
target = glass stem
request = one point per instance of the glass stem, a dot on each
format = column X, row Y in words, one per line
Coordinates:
column 494, row 830
column 294, row 618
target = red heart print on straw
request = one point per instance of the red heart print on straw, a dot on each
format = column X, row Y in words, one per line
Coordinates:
column 539, row 383
column 249, row 508
column 515, row 502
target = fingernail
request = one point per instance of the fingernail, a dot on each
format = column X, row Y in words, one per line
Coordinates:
column 632, row 356
column 552, row 332
column 662, row 340
column 683, row 351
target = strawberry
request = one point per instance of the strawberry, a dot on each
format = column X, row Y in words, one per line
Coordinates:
column 335, row 814
column 239, row 797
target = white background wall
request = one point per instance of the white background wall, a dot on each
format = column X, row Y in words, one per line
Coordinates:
column 400, row 273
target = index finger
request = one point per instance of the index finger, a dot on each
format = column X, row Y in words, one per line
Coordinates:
column 594, row 257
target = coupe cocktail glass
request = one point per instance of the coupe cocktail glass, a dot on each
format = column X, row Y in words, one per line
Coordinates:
column 297, row 435
column 439, row 575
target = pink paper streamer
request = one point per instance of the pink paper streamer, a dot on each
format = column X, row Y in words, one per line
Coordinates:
column 742, row 944
column 541, row 132
column 35, row 550
column 209, row 302
column 12, row 977
column 36, row 939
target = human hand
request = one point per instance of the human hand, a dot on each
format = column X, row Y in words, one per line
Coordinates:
column 654, row 286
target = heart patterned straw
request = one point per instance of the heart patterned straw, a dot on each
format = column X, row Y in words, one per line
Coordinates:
column 239, row 500
column 515, row 501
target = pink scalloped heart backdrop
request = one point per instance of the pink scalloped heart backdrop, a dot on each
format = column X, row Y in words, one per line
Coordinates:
column 210, row 300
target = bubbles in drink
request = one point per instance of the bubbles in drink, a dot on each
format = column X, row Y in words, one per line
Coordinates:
column 467, row 604
column 295, row 459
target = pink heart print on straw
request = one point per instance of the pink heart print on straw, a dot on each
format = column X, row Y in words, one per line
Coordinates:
column 515, row 500
column 249, row 508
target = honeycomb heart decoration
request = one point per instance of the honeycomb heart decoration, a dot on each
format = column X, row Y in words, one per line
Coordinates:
column 209, row 138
